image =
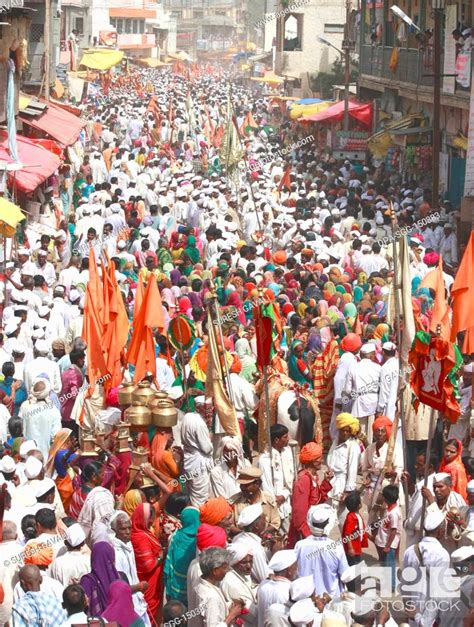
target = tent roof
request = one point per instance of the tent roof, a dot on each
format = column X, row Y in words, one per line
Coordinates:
column 58, row 123
column 101, row 58
column 38, row 163
column 357, row 110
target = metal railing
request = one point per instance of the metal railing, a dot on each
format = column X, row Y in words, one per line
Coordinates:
column 414, row 66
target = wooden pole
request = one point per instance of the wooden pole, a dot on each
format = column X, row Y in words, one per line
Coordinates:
column 267, row 420
column 47, row 47
column 397, row 286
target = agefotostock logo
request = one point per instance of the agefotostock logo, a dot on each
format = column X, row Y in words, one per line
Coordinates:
column 419, row 589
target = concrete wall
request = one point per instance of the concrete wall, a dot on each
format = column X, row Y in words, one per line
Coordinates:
column 314, row 57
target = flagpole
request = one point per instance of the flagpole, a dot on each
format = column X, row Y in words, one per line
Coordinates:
column 215, row 310
column 232, row 113
column 429, row 446
column 396, row 292
column 267, row 413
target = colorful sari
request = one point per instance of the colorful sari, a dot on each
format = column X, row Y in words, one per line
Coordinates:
column 181, row 552
column 147, row 550
column 103, row 573
column 58, row 461
column 323, row 371
column 297, row 368
column 457, row 472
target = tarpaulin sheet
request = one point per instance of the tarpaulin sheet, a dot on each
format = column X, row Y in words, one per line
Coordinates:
column 38, row 163
column 101, row 59
column 357, row 110
column 59, row 124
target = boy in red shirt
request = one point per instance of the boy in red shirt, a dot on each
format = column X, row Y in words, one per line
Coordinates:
column 354, row 537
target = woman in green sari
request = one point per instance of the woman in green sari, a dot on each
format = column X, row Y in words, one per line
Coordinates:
column 79, row 183
column 181, row 552
column 163, row 254
column 297, row 367
column 191, row 250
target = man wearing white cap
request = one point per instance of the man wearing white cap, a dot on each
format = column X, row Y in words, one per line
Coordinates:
column 428, row 553
column 69, row 566
column 276, row 588
column 304, row 612
column 315, row 558
column 197, row 448
column 362, row 388
column 252, row 522
column 445, row 500
column 40, row 365
column 41, row 419
column 389, row 374
column 238, row 584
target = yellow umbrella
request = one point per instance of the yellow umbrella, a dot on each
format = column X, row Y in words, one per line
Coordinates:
column 101, row 58
column 10, row 216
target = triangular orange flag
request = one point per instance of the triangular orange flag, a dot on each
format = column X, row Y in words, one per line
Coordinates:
column 285, row 180
column 462, row 292
column 139, row 293
column 440, row 311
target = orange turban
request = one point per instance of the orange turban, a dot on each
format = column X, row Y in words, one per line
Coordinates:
column 214, row 511
column 39, row 554
column 280, row 257
column 310, row 452
column 381, row 422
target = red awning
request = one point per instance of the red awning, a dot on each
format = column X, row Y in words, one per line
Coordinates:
column 38, row 163
column 357, row 110
column 59, row 124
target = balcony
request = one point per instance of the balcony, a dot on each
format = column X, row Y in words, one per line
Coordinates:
column 414, row 70
column 136, row 41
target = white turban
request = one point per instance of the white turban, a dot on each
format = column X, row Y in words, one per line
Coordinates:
column 239, row 550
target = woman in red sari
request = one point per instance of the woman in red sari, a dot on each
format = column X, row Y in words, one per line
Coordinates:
column 452, row 463
column 147, row 551
column 307, row 491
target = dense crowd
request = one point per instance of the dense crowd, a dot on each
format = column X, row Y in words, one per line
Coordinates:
column 221, row 526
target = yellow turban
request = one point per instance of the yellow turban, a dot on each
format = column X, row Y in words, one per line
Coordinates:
column 348, row 420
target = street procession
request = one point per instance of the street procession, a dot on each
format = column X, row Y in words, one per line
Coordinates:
column 236, row 359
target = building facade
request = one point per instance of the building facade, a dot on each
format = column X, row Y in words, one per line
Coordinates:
column 396, row 71
column 296, row 27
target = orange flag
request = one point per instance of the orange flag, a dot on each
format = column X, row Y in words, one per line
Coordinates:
column 285, row 180
column 141, row 352
column 440, row 311
column 462, row 294
column 139, row 293
column 116, row 332
column 93, row 327
column 249, row 122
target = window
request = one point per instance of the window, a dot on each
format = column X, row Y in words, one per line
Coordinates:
column 79, row 24
column 113, row 22
column 135, row 26
column 141, row 24
column 128, row 26
column 197, row 15
column 119, row 26
column 334, row 28
column 293, row 32
column 220, row 12
column 177, row 14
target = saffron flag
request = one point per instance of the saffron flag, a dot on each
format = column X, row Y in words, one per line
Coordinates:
column 435, row 363
column 462, row 294
column 248, row 124
column 440, row 312
column 141, row 352
column 118, row 332
column 93, row 325
column 263, row 335
column 285, row 180
column 215, row 385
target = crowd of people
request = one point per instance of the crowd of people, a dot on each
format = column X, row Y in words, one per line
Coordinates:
column 215, row 530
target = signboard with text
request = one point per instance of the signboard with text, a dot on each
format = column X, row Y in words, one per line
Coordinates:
column 352, row 141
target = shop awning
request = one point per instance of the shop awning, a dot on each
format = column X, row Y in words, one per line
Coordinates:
column 59, row 124
column 305, row 110
column 269, row 77
column 10, row 216
column 101, row 58
column 380, row 142
column 38, row 163
column 357, row 110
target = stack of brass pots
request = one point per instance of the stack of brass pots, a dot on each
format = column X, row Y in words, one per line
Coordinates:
column 125, row 393
column 143, row 393
column 139, row 456
column 123, row 437
column 88, row 446
column 163, row 412
column 138, row 415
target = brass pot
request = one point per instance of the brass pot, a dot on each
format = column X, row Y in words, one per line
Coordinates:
column 138, row 415
column 139, row 456
column 88, row 447
column 143, row 393
column 125, row 393
column 164, row 413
